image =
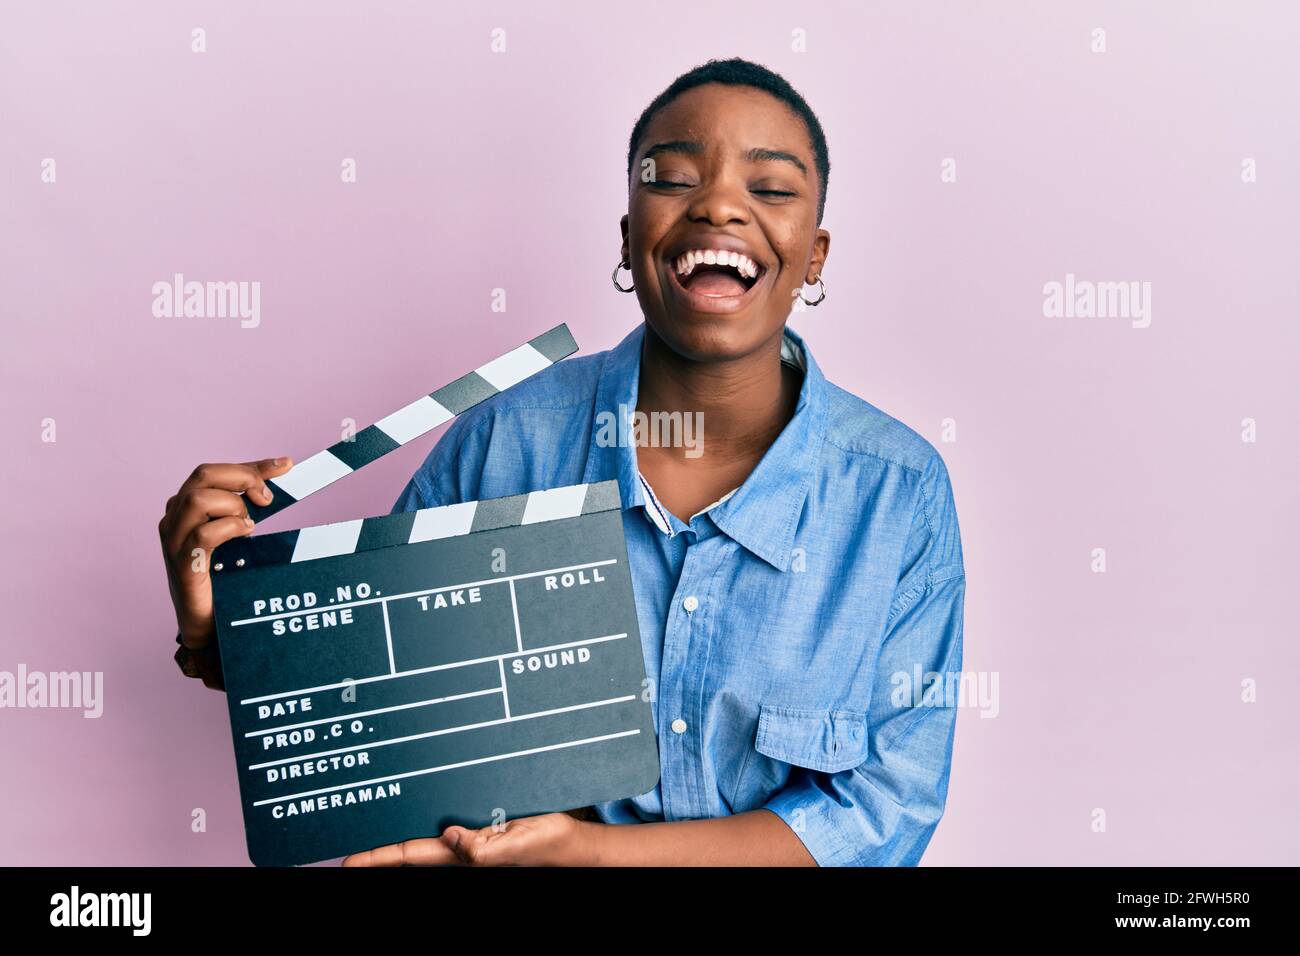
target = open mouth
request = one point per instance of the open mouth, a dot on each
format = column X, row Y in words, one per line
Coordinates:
column 716, row 274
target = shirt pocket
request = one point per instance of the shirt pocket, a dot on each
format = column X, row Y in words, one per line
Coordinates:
column 828, row 740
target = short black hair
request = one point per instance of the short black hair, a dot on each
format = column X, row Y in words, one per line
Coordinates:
column 741, row 72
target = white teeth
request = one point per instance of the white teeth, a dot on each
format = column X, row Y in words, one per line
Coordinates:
column 686, row 263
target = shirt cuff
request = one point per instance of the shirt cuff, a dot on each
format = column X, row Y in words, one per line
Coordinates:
column 807, row 811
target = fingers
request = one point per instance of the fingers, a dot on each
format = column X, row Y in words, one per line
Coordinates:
column 208, row 510
column 193, row 509
column 491, row 846
column 268, row 468
column 464, row 844
column 215, row 490
column 526, row 841
column 210, row 534
column 249, row 477
column 272, row 467
column 427, row 852
column 229, row 477
column 380, row 856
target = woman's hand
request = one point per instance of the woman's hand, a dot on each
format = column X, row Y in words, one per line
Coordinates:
column 208, row 510
column 552, row 839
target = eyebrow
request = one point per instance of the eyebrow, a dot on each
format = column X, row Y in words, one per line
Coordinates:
column 758, row 154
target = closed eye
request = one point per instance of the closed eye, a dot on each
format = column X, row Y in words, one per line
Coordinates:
column 758, row 192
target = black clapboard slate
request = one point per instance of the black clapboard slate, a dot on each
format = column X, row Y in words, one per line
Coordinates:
column 388, row 677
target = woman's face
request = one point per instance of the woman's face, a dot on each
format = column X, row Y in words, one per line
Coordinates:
column 731, row 169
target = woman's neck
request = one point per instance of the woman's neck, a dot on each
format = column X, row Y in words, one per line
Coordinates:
column 743, row 404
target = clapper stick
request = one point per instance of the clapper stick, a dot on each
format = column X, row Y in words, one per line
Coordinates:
column 418, row 418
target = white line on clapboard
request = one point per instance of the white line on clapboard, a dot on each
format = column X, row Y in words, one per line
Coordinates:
column 388, row 636
column 450, row 766
column 426, row 670
column 370, row 713
column 411, row 594
column 505, row 688
column 442, row 732
column 514, row 609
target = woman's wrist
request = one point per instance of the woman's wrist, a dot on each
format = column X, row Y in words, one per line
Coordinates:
column 200, row 659
column 753, row 838
column 590, row 843
column 196, row 635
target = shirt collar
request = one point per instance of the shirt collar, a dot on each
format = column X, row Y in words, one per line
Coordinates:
column 763, row 513
column 665, row 520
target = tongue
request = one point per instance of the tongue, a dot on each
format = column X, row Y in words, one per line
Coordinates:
column 710, row 282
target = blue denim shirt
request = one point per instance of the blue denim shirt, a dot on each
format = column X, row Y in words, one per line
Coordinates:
column 789, row 629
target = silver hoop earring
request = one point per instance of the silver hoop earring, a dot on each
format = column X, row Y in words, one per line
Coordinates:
column 818, row 300
column 614, row 277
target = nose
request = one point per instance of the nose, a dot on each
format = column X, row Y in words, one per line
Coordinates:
column 720, row 200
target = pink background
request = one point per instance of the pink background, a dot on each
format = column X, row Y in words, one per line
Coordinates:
column 476, row 170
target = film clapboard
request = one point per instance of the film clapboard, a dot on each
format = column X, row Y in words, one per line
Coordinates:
column 390, row 676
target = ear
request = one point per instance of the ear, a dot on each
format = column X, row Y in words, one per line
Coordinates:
column 821, row 249
column 624, row 251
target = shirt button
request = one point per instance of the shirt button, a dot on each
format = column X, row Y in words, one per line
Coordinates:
column 691, row 602
column 679, row 726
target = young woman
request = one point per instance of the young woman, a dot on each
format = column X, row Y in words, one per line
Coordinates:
column 795, row 571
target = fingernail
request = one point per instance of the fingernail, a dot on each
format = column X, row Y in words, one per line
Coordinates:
column 248, row 522
column 266, row 493
column 281, row 461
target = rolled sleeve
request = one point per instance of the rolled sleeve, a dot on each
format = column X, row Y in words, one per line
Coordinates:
column 884, row 811
column 813, row 807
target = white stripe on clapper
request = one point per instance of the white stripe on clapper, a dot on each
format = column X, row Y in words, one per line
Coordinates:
column 554, row 503
column 414, row 420
column 513, row 367
column 311, row 475
column 327, row 540
column 444, row 522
